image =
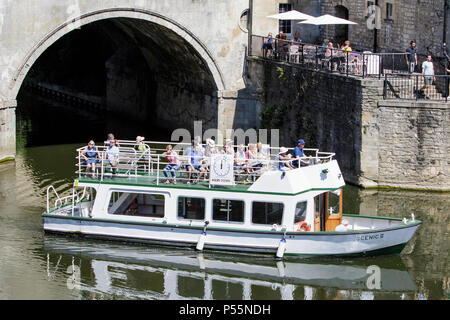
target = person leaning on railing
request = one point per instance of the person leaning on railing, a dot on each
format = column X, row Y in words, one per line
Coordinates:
column 268, row 45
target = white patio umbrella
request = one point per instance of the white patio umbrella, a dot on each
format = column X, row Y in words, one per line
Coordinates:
column 291, row 15
column 326, row 19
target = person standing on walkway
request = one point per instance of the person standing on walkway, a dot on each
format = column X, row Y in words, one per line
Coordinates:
column 428, row 75
column 411, row 57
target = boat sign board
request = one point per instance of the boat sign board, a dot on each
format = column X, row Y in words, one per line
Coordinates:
column 222, row 169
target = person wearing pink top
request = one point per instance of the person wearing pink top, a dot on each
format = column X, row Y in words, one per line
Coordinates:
column 173, row 164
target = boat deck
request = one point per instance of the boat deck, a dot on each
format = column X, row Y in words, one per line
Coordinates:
column 152, row 180
column 146, row 164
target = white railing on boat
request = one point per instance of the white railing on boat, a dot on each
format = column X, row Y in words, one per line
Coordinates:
column 59, row 202
column 151, row 162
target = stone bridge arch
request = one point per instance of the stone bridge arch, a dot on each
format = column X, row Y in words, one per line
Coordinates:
column 210, row 29
column 131, row 13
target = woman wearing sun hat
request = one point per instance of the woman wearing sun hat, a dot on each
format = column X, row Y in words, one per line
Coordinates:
column 283, row 160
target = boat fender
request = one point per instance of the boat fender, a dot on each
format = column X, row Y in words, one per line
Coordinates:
column 201, row 242
column 303, row 226
column 281, row 248
column 202, row 238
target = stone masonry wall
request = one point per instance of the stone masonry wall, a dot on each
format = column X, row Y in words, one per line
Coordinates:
column 414, row 144
column 377, row 142
column 420, row 20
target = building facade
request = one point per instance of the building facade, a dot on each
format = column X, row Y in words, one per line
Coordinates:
column 390, row 25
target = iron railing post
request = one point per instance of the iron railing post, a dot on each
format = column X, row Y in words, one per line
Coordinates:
column 157, row 172
column 317, row 60
column 346, row 61
column 364, row 65
column 380, row 66
column 417, row 86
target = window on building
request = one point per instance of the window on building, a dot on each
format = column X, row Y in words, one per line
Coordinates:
column 300, row 212
column 228, row 210
column 389, row 11
column 191, row 208
column 137, row 204
column 285, row 25
column 267, row 213
column 370, row 3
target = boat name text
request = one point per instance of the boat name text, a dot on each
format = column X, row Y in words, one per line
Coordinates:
column 370, row 237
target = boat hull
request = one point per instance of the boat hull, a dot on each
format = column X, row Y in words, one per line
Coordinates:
column 350, row 243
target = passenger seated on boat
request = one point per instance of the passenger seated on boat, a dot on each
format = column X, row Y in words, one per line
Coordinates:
column 173, row 164
column 263, row 155
column 299, row 155
column 210, row 150
column 195, row 164
column 132, row 208
column 140, row 145
column 109, row 138
column 253, row 159
column 91, row 157
column 283, row 160
column 240, row 161
column 344, row 226
column 112, row 155
column 228, row 147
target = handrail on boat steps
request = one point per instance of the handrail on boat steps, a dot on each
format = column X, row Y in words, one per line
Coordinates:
column 64, row 200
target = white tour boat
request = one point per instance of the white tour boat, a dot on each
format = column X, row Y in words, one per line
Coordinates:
column 253, row 207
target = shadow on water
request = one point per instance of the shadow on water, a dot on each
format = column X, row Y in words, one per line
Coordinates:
column 41, row 122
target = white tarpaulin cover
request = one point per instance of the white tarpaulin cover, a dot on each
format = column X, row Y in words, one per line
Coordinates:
column 291, row 15
column 327, row 19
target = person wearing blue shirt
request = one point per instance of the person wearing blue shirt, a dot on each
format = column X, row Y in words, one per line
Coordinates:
column 298, row 154
column 195, row 164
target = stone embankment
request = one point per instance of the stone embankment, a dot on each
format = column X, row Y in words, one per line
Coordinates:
column 378, row 143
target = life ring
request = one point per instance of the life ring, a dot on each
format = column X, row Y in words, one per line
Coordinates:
column 303, row 226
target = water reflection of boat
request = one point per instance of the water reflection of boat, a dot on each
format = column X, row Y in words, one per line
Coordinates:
column 182, row 273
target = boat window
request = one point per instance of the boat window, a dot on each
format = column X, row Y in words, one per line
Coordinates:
column 137, row 204
column 300, row 212
column 333, row 203
column 267, row 212
column 228, row 210
column 191, row 208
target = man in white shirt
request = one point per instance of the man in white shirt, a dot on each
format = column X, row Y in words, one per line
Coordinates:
column 112, row 155
column 428, row 75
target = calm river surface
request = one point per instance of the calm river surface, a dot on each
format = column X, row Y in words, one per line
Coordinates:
column 35, row 265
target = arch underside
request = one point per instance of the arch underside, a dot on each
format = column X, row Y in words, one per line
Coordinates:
column 154, row 68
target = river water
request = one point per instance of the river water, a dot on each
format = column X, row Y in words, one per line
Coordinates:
column 35, row 265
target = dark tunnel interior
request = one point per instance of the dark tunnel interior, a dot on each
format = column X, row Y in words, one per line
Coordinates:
column 127, row 76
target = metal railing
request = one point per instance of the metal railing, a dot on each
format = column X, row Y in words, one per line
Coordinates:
column 74, row 199
column 317, row 57
column 152, row 165
column 416, row 87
